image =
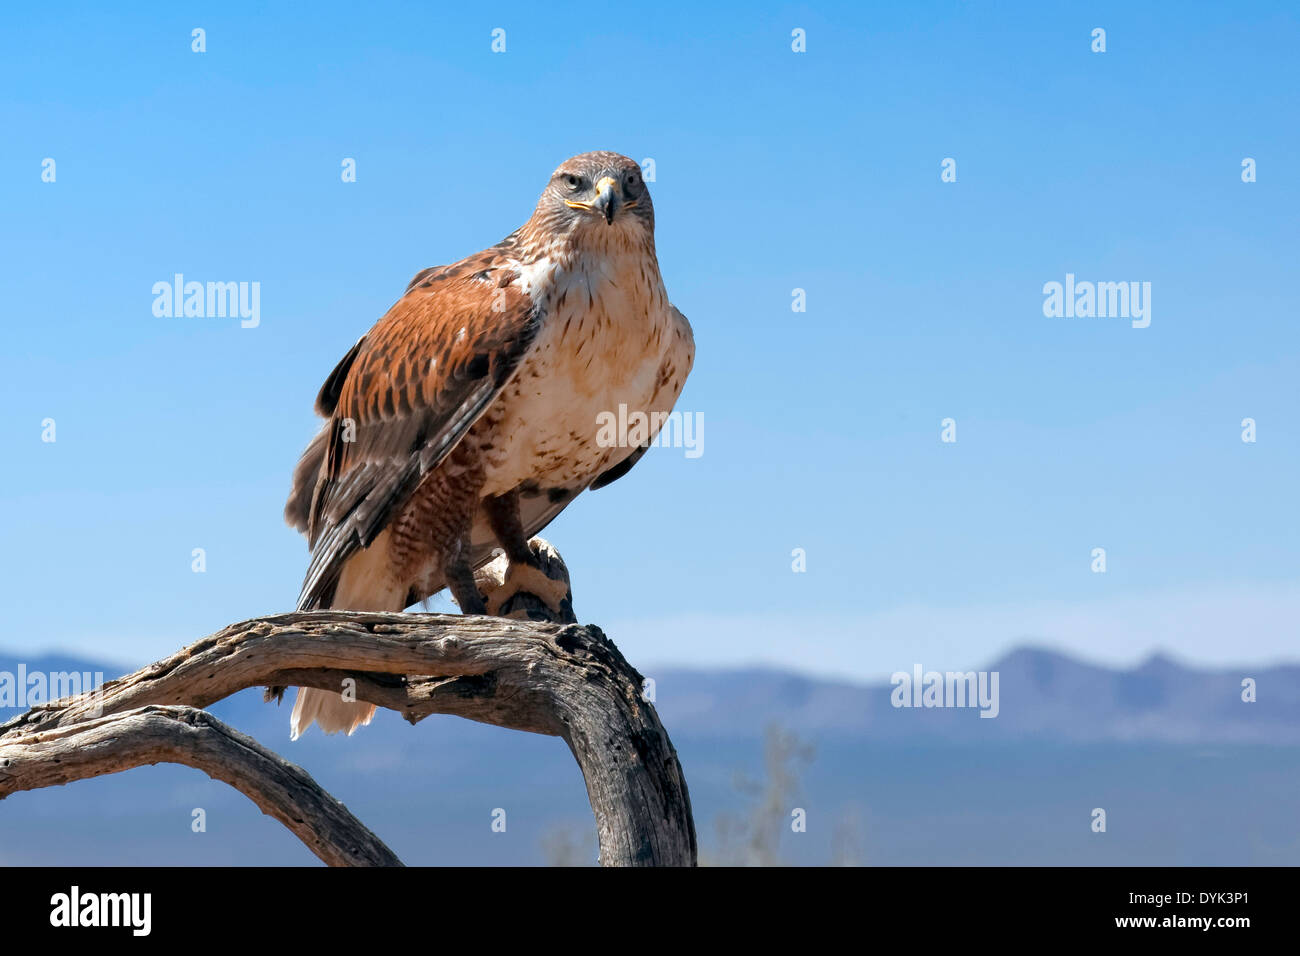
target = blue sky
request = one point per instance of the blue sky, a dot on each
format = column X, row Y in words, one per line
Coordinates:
column 774, row 171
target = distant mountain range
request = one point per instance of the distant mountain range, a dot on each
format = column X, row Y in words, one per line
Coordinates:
column 1043, row 696
column 1188, row 773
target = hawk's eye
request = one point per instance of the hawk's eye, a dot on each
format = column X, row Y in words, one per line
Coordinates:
column 572, row 181
column 633, row 180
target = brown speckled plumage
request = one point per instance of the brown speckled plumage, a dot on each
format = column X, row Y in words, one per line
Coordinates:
column 482, row 386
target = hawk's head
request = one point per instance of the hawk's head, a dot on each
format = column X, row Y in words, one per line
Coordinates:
column 594, row 192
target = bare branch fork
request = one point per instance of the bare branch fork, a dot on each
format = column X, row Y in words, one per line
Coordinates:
column 549, row 678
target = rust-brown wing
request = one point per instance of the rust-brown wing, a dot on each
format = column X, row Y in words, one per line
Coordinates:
column 400, row 401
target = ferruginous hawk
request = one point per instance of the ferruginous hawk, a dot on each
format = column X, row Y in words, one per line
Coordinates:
column 468, row 417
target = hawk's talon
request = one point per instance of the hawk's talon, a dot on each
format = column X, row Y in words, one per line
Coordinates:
column 528, row 579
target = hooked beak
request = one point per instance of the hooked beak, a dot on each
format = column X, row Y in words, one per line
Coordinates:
column 608, row 199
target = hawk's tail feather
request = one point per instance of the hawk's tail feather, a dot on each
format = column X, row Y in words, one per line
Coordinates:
column 328, row 709
column 363, row 585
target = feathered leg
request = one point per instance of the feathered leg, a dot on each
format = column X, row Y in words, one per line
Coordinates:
column 524, row 572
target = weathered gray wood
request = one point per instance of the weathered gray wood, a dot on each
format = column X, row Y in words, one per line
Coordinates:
column 558, row 679
column 184, row 735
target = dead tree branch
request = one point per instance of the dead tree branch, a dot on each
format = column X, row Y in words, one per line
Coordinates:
column 558, row 679
column 196, row 739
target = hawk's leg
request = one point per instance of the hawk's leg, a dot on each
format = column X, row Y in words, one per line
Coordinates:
column 444, row 513
column 460, row 581
column 524, row 573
